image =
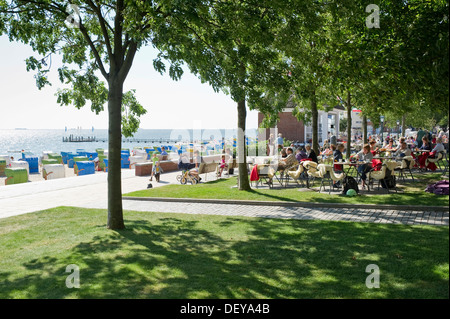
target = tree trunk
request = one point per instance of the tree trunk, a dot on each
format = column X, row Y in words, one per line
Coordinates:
column 403, row 124
column 349, row 125
column 244, row 183
column 115, row 212
column 315, row 124
column 364, row 125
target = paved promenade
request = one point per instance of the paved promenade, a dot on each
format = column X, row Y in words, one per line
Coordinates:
column 91, row 192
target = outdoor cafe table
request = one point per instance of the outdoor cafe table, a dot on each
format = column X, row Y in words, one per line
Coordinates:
column 387, row 158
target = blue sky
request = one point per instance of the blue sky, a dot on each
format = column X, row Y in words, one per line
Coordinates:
column 184, row 104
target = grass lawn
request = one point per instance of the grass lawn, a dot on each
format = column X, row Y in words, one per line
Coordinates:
column 411, row 193
column 200, row 256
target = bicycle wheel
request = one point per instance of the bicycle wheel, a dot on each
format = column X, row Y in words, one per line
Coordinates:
column 179, row 178
column 183, row 180
column 194, row 181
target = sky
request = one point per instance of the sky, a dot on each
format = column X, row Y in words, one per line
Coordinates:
column 183, row 104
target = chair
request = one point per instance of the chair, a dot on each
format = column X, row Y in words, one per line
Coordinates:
column 323, row 172
column 206, row 168
column 436, row 160
column 335, row 177
column 387, row 170
column 311, row 171
column 407, row 164
column 296, row 173
column 327, row 173
column 266, row 173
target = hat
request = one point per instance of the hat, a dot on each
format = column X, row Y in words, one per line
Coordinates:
column 308, row 145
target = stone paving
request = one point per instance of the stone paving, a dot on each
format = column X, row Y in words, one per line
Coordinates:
column 91, row 192
column 357, row 215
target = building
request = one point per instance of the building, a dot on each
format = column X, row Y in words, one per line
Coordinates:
column 297, row 131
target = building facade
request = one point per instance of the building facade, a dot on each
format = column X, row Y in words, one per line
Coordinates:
column 298, row 132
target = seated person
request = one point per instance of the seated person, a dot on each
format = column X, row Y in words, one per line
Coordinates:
column 197, row 162
column 373, row 147
column 310, row 153
column 286, row 163
column 289, row 161
column 223, row 165
column 163, row 153
column 325, row 145
column 366, row 156
column 438, row 148
column 183, row 162
column 337, row 155
column 433, row 139
column 400, row 142
column 390, row 145
column 403, row 150
column 301, row 154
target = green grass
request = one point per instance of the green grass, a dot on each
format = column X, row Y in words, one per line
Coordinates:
column 411, row 194
column 201, row 256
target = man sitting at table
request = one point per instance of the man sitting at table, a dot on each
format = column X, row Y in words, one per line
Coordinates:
column 289, row 161
column 286, row 163
column 366, row 156
column 403, row 150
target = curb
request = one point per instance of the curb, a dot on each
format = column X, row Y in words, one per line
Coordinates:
column 288, row 204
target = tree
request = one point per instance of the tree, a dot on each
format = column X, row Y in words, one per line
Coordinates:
column 95, row 38
column 228, row 45
column 302, row 40
column 307, row 51
column 406, row 60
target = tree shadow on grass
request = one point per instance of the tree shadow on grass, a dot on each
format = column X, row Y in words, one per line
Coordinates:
column 178, row 257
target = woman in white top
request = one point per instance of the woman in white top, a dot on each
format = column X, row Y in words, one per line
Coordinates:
column 439, row 146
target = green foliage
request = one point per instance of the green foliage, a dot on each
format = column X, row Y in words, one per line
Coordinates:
column 131, row 110
column 88, row 45
column 342, row 126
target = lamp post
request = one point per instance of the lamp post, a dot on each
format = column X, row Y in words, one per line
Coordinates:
column 382, row 127
column 398, row 126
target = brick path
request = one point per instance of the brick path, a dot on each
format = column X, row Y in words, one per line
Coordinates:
column 408, row 217
column 91, row 192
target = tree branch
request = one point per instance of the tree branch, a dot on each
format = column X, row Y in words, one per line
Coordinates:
column 126, row 66
column 103, row 26
column 94, row 50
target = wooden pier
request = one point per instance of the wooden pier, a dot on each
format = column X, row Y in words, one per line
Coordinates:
column 78, row 139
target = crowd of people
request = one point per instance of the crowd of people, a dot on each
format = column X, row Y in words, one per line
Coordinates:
column 420, row 146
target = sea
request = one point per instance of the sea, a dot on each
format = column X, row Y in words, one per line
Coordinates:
column 36, row 141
